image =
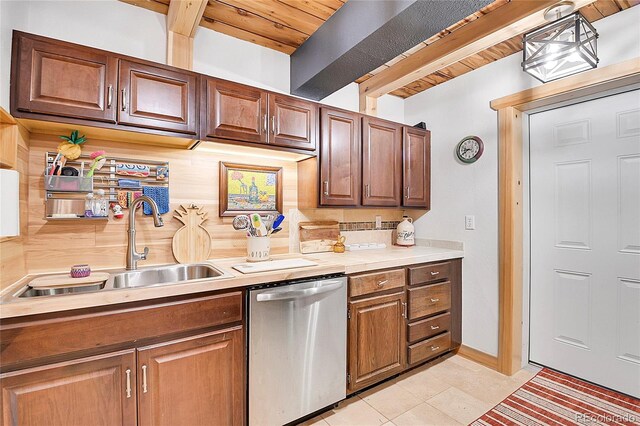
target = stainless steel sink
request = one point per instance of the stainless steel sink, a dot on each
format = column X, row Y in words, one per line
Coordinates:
column 147, row 277
column 164, row 275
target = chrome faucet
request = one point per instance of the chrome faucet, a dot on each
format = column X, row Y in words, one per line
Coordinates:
column 132, row 255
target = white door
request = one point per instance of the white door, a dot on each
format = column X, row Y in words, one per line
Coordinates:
column 585, row 240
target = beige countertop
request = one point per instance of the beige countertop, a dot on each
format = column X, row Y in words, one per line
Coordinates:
column 328, row 263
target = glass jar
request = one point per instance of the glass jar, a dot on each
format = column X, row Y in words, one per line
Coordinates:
column 88, row 205
column 100, row 204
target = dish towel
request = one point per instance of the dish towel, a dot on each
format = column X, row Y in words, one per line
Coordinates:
column 159, row 194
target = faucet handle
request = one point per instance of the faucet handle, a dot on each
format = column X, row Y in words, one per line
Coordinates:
column 145, row 252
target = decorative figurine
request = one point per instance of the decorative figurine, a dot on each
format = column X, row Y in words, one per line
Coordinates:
column 117, row 210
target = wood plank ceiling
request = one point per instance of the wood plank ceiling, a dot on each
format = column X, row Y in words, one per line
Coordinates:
column 284, row 25
column 281, row 25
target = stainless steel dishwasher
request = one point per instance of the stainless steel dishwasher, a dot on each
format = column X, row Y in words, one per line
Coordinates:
column 297, row 349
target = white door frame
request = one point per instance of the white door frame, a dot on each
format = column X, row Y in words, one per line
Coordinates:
column 510, row 190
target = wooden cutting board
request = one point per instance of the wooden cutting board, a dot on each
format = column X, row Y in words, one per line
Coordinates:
column 66, row 280
column 192, row 242
column 272, row 265
column 319, row 236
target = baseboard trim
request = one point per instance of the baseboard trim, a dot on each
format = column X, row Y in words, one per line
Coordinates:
column 479, row 357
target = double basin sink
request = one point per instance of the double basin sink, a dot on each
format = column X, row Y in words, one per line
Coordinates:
column 147, row 277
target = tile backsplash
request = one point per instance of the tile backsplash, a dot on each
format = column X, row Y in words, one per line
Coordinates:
column 368, row 226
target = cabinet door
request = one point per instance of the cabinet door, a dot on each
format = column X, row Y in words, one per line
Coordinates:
column 339, row 158
column 381, row 162
column 376, row 339
column 92, row 391
column 293, row 122
column 157, row 98
column 234, row 111
column 193, row 381
column 416, row 167
column 57, row 79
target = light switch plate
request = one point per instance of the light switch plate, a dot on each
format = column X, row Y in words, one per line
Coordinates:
column 378, row 222
column 469, row 222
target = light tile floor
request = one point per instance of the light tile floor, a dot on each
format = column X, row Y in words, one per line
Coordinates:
column 455, row 391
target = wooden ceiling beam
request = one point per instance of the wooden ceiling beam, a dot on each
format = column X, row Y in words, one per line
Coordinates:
column 509, row 20
column 183, row 19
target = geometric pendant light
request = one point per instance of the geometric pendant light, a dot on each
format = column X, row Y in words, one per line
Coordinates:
column 563, row 47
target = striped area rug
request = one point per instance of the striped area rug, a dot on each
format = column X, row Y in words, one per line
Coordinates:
column 553, row 398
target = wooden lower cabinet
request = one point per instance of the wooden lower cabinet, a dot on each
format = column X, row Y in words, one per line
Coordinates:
column 376, row 339
column 193, row 381
column 98, row 390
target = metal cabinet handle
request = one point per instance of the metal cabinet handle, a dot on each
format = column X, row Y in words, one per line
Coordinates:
column 144, row 379
column 265, row 126
column 123, row 103
column 435, row 273
column 109, row 96
column 383, row 282
column 407, row 194
column 434, row 348
column 404, row 309
column 435, row 327
column 435, row 300
column 273, row 124
column 367, row 192
column 326, row 187
column 128, row 389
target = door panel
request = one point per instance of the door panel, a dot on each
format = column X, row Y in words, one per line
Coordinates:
column 193, row 381
column 381, row 162
column 585, row 235
column 234, row 111
column 339, row 158
column 376, row 339
column 157, row 98
column 416, row 168
column 66, row 81
column 293, row 122
column 88, row 391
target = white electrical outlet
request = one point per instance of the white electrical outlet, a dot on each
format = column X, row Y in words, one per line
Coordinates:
column 469, row 222
column 378, row 222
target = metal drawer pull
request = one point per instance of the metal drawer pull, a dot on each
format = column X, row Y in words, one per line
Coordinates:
column 109, row 96
column 326, row 187
column 435, row 273
column 383, row 282
column 435, row 327
column 434, row 348
column 124, row 99
column 128, row 390
column 404, row 309
column 144, row 379
column 435, row 300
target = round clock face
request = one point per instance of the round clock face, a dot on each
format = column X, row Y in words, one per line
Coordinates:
column 469, row 149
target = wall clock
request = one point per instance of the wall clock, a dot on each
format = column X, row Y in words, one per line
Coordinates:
column 469, row 149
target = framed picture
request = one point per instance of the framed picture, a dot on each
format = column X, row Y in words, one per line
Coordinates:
column 245, row 189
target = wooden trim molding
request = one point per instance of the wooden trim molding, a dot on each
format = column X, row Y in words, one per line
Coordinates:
column 183, row 19
column 511, row 110
column 480, row 357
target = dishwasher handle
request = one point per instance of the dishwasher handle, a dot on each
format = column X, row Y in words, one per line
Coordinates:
column 297, row 294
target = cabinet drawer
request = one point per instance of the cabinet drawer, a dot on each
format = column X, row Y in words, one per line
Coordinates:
column 429, row 299
column 428, row 327
column 90, row 330
column 429, row 348
column 375, row 282
column 429, row 273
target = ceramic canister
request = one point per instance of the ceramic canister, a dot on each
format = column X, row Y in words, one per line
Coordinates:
column 405, row 232
column 258, row 249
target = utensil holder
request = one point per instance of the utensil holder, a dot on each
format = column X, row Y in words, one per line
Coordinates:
column 68, row 183
column 258, row 249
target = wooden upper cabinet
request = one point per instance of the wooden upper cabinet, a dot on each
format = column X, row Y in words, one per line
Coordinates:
column 234, row 111
column 159, row 98
column 376, row 335
column 339, row 158
column 416, row 168
column 53, row 78
column 100, row 390
column 193, row 381
column 293, row 122
column 381, row 162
